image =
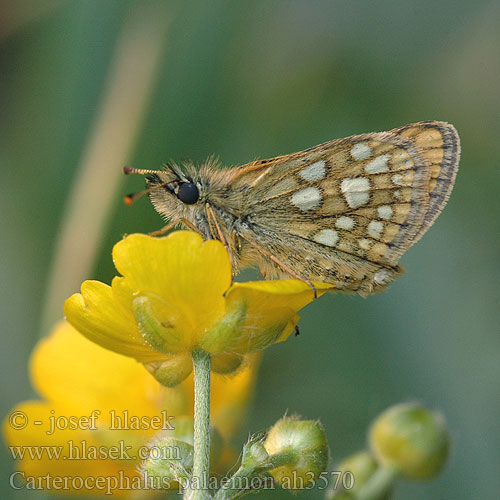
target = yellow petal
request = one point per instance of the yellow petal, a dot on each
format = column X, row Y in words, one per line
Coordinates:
column 289, row 328
column 69, row 369
column 293, row 294
column 271, row 309
column 101, row 318
column 188, row 274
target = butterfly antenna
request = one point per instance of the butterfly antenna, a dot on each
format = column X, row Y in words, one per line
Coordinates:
column 132, row 170
column 130, row 198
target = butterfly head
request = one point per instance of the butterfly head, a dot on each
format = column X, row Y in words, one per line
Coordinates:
column 174, row 192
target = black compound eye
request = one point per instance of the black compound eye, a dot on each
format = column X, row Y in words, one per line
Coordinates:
column 188, row 193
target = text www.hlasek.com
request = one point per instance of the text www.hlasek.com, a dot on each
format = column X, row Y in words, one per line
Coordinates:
column 82, row 450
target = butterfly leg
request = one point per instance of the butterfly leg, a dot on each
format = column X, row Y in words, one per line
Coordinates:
column 283, row 266
column 191, row 226
column 211, row 214
column 174, row 223
column 165, row 228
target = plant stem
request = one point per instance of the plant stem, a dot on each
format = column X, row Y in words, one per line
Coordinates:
column 379, row 484
column 201, row 460
column 240, row 483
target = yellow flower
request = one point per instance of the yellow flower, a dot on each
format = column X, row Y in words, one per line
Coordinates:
column 102, row 409
column 175, row 295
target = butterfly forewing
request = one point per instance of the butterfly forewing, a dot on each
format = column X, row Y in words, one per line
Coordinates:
column 439, row 143
column 346, row 210
column 343, row 212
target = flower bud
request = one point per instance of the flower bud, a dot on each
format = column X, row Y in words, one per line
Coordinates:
column 411, row 438
column 169, row 460
column 298, row 450
column 254, row 454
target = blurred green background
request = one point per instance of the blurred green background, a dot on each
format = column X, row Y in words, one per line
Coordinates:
column 87, row 86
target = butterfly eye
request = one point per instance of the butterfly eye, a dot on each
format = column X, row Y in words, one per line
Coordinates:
column 188, row 193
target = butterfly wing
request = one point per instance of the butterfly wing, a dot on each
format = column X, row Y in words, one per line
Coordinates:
column 439, row 143
column 345, row 211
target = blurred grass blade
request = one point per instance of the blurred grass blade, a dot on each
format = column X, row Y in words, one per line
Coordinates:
column 17, row 15
column 118, row 120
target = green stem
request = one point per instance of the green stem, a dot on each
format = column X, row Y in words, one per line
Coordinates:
column 379, row 484
column 240, row 482
column 201, row 459
column 233, row 489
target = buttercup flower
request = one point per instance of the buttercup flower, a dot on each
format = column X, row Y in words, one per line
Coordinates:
column 103, row 410
column 175, row 295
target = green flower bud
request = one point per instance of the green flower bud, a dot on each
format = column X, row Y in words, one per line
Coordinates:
column 254, row 454
column 411, row 438
column 168, row 462
column 298, row 450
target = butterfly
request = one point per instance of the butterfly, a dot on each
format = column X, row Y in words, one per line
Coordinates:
column 342, row 212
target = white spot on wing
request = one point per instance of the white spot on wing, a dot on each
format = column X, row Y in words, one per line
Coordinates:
column 385, row 212
column 365, row 244
column 356, row 191
column 327, row 237
column 375, row 228
column 397, row 179
column 397, row 194
column 306, row 199
column 381, row 277
column 378, row 165
column 314, row 172
column 361, row 151
column 344, row 223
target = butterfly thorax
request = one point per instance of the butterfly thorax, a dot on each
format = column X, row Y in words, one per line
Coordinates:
column 217, row 212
